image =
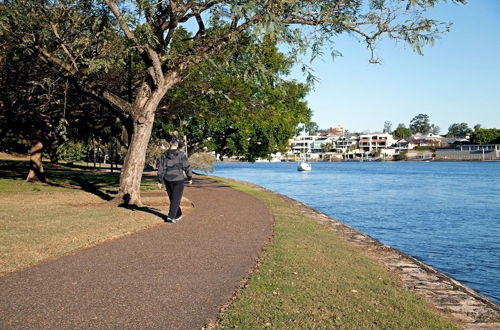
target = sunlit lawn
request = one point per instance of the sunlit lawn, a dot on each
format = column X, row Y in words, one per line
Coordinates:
column 39, row 222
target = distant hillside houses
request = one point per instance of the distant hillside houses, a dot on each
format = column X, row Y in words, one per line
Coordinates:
column 334, row 144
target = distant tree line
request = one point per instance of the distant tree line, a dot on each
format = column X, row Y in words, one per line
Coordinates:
column 421, row 124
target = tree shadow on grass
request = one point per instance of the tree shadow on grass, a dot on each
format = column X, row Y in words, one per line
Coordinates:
column 61, row 176
column 96, row 182
column 147, row 209
column 92, row 188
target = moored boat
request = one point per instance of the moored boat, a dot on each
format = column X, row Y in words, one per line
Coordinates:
column 304, row 166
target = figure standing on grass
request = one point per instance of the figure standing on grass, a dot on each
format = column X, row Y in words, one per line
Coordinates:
column 172, row 166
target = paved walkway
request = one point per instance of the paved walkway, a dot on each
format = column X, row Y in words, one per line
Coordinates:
column 175, row 276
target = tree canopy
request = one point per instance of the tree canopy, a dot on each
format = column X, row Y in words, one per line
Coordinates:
column 311, row 127
column 402, row 132
column 228, row 112
column 486, row 136
column 387, row 127
column 459, row 130
column 421, row 124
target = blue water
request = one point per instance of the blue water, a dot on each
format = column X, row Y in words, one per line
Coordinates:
column 446, row 214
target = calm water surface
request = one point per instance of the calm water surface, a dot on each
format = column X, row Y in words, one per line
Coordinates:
column 446, row 214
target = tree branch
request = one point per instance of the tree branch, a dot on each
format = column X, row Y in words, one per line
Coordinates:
column 155, row 62
column 201, row 27
column 207, row 5
column 65, row 49
column 79, row 80
column 123, row 25
column 51, row 58
column 211, row 47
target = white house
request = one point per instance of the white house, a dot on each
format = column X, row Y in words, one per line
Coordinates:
column 302, row 144
column 402, row 145
column 375, row 141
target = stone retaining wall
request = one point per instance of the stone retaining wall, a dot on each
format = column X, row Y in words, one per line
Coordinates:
column 465, row 155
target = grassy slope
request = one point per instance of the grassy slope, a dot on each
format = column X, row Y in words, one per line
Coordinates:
column 40, row 222
column 310, row 278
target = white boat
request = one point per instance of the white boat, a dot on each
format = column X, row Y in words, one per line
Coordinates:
column 304, row 166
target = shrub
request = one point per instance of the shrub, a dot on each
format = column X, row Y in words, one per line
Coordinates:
column 403, row 155
column 423, row 148
column 71, row 151
column 154, row 151
column 202, row 161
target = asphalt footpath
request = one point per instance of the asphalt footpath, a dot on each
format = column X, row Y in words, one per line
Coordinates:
column 174, row 276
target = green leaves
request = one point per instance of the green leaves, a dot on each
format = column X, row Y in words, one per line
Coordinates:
column 238, row 103
column 402, row 132
column 420, row 124
column 459, row 130
column 486, row 136
column 71, row 151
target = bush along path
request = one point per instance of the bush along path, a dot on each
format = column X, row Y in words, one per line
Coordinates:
column 173, row 276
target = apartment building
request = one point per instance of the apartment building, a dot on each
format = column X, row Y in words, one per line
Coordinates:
column 375, row 141
column 302, row 144
column 318, row 145
column 344, row 143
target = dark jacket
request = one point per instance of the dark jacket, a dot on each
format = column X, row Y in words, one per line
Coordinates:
column 172, row 165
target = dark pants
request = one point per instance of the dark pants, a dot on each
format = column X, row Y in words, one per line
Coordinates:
column 174, row 191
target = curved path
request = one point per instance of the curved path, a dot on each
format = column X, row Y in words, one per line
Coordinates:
column 174, row 276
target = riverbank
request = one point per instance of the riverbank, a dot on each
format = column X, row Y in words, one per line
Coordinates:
column 319, row 269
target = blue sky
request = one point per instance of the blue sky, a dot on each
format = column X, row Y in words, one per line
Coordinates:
column 457, row 79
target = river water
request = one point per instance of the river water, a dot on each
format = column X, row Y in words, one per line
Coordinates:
column 446, row 214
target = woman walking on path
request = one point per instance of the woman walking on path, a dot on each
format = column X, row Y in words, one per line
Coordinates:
column 172, row 166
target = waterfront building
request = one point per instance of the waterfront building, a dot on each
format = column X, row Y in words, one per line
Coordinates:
column 302, row 144
column 345, row 143
column 402, row 145
column 375, row 141
column 335, row 144
column 318, row 145
column 428, row 140
column 458, row 141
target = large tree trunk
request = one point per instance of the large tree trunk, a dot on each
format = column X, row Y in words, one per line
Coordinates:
column 36, row 166
column 133, row 164
column 142, row 116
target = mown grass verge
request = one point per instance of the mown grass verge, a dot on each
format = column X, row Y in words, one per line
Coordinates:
column 309, row 278
column 44, row 221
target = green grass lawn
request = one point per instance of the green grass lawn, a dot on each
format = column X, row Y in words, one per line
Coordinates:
column 309, row 278
column 40, row 222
